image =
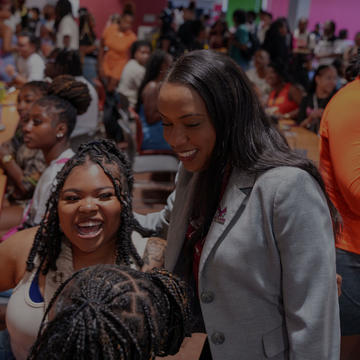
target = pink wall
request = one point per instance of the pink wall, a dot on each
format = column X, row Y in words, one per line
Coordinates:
column 345, row 13
column 278, row 8
column 102, row 9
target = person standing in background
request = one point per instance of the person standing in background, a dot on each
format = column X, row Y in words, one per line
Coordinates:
column 339, row 165
column 67, row 30
column 239, row 41
column 134, row 71
column 117, row 38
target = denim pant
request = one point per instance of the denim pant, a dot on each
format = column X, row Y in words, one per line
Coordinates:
column 348, row 266
column 5, row 348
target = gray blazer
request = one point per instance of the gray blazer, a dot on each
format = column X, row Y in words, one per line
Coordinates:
column 267, row 284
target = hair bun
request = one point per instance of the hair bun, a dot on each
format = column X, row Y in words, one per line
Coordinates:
column 75, row 92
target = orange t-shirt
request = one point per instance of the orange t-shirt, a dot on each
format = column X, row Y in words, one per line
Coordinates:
column 281, row 100
column 118, row 54
column 340, row 161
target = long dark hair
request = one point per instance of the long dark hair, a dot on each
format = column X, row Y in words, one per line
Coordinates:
column 319, row 71
column 114, row 163
column 245, row 138
column 62, row 8
column 114, row 312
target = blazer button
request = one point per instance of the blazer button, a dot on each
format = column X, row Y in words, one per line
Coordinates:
column 217, row 338
column 207, row 297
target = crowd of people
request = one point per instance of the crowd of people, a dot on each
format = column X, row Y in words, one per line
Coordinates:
column 259, row 245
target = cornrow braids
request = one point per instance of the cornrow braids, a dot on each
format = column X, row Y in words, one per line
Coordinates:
column 114, row 312
column 69, row 98
column 48, row 238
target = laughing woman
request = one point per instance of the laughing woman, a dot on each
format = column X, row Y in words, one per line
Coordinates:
column 85, row 223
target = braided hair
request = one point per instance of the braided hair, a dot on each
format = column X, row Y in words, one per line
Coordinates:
column 114, row 163
column 114, row 312
column 41, row 87
column 69, row 98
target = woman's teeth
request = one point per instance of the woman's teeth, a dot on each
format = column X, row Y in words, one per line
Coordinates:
column 89, row 227
column 187, row 153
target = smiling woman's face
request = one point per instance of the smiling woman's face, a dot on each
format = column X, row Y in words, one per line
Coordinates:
column 187, row 125
column 89, row 211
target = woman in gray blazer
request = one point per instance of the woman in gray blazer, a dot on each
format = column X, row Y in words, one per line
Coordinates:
column 249, row 223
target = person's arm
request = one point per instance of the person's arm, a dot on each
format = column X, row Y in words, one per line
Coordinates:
column 87, row 49
column 16, row 78
column 101, row 59
column 12, row 169
column 13, row 255
column 121, row 46
column 304, row 235
column 149, row 98
column 344, row 144
column 7, row 46
column 312, row 118
column 240, row 39
column 302, row 110
column 296, row 95
column 154, row 253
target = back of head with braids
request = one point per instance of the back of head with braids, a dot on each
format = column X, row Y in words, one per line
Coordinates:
column 114, row 312
column 67, row 98
column 47, row 242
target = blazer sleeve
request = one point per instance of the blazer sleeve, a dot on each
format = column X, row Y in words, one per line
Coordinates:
column 158, row 221
column 303, row 232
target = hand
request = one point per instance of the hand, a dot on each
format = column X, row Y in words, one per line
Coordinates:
column 4, row 150
column 154, row 253
column 10, row 70
column 338, row 283
column 316, row 114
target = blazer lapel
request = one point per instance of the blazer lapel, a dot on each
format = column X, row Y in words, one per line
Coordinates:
column 180, row 215
column 229, row 211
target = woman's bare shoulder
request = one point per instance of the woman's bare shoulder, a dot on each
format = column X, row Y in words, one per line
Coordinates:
column 14, row 252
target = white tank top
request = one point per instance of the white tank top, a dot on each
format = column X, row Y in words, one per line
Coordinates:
column 23, row 316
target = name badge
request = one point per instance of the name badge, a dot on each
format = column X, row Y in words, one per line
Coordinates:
column 220, row 215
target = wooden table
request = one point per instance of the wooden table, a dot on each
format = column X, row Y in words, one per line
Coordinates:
column 9, row 116
column 301, row 139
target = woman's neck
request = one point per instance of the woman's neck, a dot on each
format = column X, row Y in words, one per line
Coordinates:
column 104, row 255
column 55, row 151
column 322, row 93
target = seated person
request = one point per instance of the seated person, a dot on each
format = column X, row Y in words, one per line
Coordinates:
column 48, row 127
column 257, row 75
column 85, row 223
column 23, row 166
column 285, row 97
column 151, row 121
column 322, row 89
column 29, row 64
column 134, row 71
column 68, row 62
column 113, row 312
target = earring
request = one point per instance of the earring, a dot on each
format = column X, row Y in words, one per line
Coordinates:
column 59, row 135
